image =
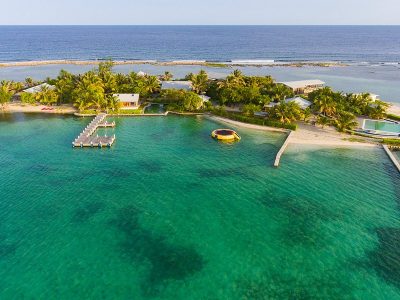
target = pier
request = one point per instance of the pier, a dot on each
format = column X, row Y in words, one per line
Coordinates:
column 282, row 150
column 392, row 157
column 87, row 138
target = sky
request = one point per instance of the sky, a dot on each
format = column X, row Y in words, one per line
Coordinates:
column 200, row 12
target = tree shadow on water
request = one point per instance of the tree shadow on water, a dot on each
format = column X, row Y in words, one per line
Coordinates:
column 167, row 262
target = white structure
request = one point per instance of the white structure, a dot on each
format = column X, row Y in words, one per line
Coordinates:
column 303, row 103
column 205, row 98
column 128, row 101
column 39, row 88
column 373, row 97
column 304, row 86
column 176, row 85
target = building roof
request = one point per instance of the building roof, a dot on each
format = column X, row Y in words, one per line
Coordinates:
column 302, row 83
column 303, row 103
column 141, row 74
column 205, row 98
column 38, row 88
column 127, row 98
column 176, row 85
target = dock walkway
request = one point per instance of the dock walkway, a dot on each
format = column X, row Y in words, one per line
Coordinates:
column 87, row 137
column 282, row 150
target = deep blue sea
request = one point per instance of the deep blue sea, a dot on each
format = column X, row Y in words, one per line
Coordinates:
column 215, row 43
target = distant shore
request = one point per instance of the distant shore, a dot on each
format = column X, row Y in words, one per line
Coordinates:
column 169, row 63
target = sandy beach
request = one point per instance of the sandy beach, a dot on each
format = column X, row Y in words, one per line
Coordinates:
column 309, row 135
column 26, row 108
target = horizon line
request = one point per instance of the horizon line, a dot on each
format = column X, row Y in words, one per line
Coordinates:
column 200, row 25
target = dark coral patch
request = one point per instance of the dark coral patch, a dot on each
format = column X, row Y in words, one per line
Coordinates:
column 385, row 259
column 87, row 211
column 150, row 166
column 166, row 261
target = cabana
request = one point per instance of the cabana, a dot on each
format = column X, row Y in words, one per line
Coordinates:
column 38, row 88
column 304, row 86
column 128, row 101
column 303, row 103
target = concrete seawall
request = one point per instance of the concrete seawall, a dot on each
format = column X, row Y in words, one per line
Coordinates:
column 282, row 150
column 392, row 157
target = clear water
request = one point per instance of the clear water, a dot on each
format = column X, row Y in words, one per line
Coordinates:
column 217, row 43
column 169, row 213
column 382, row 126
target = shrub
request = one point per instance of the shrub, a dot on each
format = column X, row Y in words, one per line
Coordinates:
column 253, row 120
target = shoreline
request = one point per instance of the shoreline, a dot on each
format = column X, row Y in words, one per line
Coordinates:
column 306, row 134
column 221, row 64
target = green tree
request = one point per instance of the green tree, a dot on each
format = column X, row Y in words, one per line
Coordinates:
column 28, row 98
column 250, row 109
column 345, row 121
column 65, row 85
column 167, row 76
column 47, row 96
column 89, row 92
column 199, row 82
column 323, row 121
column 286, row 112
column 5, row 94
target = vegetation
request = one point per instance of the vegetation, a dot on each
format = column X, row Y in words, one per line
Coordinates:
column 180, row 100
column 253, row 120
column 341, row 108
column 392, row 142
column 94, row 91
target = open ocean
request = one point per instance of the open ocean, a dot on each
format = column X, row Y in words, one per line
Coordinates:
column 373, row 44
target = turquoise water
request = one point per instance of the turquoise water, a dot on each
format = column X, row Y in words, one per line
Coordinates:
column 168, row 213
column 382, row 126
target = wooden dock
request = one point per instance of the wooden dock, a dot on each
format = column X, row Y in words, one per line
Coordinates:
column 87, row 137
column 392, row 157
column 282, row 150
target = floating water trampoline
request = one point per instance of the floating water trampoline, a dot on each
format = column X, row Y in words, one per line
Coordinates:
column 225, row 135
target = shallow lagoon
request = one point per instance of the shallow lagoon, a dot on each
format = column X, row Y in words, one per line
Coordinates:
column 168, row 213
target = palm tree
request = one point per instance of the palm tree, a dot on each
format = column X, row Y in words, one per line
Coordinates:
column 29, row 82
column 325, row 105
column 345, row 121
column 286, row 112
column 46, row 95
column 89, row 92
column 167, row 76
column 323, row 121
column 199, row 82
column 5, row 95
column 150, row 85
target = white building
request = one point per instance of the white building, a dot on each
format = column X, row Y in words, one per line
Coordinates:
column 39, row 88
column 373, row 97
column 303, row 103
column 177, row 85
column 128, row 101
column 304, row 86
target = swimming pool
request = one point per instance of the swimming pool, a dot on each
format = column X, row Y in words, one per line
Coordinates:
column 382, row 127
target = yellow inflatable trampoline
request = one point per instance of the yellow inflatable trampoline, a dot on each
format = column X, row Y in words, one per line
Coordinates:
column 225, row 135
